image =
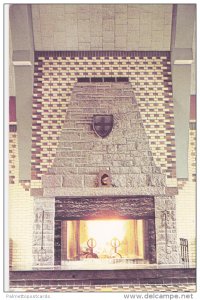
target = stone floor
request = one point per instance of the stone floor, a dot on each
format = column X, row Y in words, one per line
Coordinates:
column 108, row 288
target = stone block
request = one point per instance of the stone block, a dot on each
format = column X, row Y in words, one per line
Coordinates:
column 108, row 37
column 133, row 36
column 71, row 20
column 96, row 18
column 119, row 181
column 108, row 25
column 96, row 27
column 51, row 181
column 121, row 8
column 58, row 12
column 83, row 26
column 90, row 181
column 48, row 42
column 134, row 11
column 133, row 24
column 36, row 192
column 171, row 191
column 170, row 203
column 95, row 159
column 145, row 30
column 35, row 12
column 157, row 45
column 59, row 26
column 145, row 43
column 145, row 18
column 84, row 37
column 46, row 203
column 46, row 28
column 136, row 180
column 70, row 8
column 73, row 181
column 83, row 15
column 58, row 37
column 157, row 179
column 132, row 46
column 167, row 18
column 166, row 42
column 82, row 8
column 46, row 9
column 95, row 8
column 146, row 8
column 120, row 29
column 96, row 42
column 157, row 23
column 72, row 41
column 121, row 18
column 108, row 11
column 157, row 35
column 71, row 30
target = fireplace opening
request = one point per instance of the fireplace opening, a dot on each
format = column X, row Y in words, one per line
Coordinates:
column 92, row 231
column 103, row 239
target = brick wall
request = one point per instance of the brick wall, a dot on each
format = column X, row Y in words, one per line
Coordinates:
column 55, row 76
column 20, row 212
column 54, row 79
column 186, row 200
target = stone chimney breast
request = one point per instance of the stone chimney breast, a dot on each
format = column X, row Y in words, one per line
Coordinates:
column 125, row 153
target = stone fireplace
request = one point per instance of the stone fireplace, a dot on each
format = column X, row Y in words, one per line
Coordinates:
column 105, row 228
column 130, row 219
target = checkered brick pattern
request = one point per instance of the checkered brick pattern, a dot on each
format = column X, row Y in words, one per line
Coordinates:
column 13, row 157
column 54, row 78
column 192, row 152
column 125, row 288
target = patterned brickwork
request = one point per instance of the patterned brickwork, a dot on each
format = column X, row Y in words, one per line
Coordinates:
column 25, row 184
column 186, row 226
column 13, row 159
column 57, row 72
column 20, row 213
column 191, row 158
column 125, row 288
column 192, row 152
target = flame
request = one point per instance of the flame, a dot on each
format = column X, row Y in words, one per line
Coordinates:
column 105, row 230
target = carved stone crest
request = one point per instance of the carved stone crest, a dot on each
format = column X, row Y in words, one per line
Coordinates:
column 102, row 124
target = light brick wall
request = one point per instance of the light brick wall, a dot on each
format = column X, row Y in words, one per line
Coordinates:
column 186, row 202
column 102, row 26
column 20, row 213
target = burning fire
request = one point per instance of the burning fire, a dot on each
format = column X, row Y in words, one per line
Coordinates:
column 105, row 230
column 111, row 238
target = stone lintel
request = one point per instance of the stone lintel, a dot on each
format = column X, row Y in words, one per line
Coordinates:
column 103, row 191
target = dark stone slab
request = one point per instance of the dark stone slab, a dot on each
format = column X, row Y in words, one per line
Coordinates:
column 91, row 277
column 104, row 207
